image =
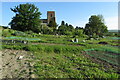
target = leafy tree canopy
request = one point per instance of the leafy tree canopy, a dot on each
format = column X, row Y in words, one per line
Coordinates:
column 95, row 26
column 27, row 18
column 65, row 29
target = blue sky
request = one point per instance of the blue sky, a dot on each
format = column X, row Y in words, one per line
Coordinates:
column 75, row 13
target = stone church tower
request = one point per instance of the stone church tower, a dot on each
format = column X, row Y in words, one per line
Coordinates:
column 50, row 16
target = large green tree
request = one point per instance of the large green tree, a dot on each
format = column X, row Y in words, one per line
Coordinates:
column 95, row 26
column 27, row 17
column 62, row 29
column 65, row 29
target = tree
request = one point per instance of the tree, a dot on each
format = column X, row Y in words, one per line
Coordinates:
column 27, row 18
column 78, row 28
column 78, row 32
column 62, row 29
column 65, row 29
column 66, row 24
column 101, row 18
column 70, row 28
column 62, row 23
column 95, row 26
column 52, row 24
column 46, row 30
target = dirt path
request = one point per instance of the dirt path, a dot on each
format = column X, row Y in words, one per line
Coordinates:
column 13, row 67
column 58, row 44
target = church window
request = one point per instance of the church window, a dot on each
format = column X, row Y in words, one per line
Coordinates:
column 51, row 15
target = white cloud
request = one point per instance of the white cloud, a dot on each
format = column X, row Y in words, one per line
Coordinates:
column 112, row 22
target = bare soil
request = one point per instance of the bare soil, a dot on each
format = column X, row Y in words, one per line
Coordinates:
column 12, row 67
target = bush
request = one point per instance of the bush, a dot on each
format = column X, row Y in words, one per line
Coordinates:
column 5, row 32
column 19, row 33
column 29, row 32
column 11, row 31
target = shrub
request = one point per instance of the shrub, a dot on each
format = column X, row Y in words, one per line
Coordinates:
column 29, row 32
column 11, row 31
column 5, row 32
column 19, row 33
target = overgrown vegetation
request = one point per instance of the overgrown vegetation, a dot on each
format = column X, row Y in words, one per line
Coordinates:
column 57, row 57
column 60, row 61
column 56, row 51
column 68, row 65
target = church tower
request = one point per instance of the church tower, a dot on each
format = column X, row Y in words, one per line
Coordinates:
column 50, row 16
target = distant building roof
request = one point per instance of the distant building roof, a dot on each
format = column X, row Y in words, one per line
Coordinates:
column 44, row 20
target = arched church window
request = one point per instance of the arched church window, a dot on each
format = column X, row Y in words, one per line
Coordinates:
column 51, row 15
